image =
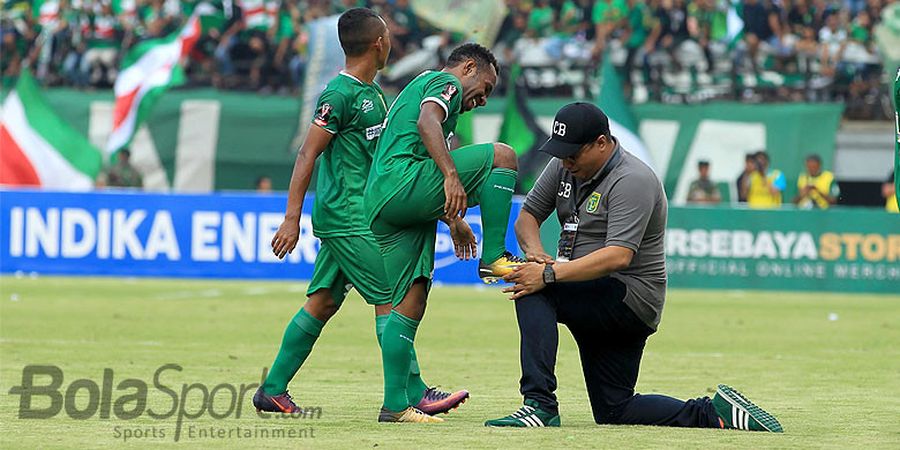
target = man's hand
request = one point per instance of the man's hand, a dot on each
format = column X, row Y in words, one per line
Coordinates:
column 539, row 257
column 464, row 243
column 527, row 278
column 286, row 238
column 455, row 203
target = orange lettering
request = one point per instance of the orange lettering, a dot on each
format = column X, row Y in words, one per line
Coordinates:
column 852, row 241
column 873, row 247
column 829, row 247
column 893, row 250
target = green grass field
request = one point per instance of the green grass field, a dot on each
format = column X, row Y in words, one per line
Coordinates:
column 832, row 383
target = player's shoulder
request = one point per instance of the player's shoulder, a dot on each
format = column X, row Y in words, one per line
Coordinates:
column 634, row 166
column 431, row 77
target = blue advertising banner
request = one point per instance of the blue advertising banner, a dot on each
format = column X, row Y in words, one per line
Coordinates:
column 173, row 235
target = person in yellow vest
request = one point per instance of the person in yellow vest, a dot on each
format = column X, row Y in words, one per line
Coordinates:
column 816, row 189
column 889, row 194
column 763, row 188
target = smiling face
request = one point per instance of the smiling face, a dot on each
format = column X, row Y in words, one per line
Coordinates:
column 477, row 84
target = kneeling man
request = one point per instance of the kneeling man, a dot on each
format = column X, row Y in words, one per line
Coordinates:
column 607, row 285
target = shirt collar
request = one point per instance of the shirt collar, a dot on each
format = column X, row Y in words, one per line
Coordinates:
column 346, row 74
column 600, row 170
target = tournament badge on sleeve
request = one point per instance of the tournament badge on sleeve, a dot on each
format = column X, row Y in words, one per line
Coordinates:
column 322, row 114
column 449, row 91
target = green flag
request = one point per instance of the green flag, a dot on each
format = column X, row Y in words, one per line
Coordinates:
column 621, row 122
column 521, row 132
column 515, row 131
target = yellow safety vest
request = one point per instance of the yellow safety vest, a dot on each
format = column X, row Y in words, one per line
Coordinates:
column 759, row 195
column 822, row 183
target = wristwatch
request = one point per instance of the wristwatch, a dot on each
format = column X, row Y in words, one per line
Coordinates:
column 549, row 274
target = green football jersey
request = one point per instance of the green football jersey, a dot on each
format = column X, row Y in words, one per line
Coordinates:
column 400, row 148
column 353, row 111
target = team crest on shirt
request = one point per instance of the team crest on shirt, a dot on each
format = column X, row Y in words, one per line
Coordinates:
column 593, row 202
column 367, row 105
column 449, row 91
column 322, row 114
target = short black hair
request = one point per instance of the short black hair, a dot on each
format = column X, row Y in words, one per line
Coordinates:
column 358, row 28
column 482, row 56
column 703, row 163
column 814, row 157
column 763, row 154
column 749, row 156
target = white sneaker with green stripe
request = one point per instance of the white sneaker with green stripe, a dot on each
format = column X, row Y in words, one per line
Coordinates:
column 737, row 412
column 529, row 415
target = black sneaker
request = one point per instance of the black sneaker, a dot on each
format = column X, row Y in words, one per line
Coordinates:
column 281, row 403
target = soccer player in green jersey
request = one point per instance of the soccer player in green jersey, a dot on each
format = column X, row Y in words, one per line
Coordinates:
column 416, row 181
column 344, row 133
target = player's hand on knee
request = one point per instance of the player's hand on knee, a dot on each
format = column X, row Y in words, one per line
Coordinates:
column 455, row 195
column 286, row 238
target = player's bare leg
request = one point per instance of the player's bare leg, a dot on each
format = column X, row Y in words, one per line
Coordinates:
column 299, row 337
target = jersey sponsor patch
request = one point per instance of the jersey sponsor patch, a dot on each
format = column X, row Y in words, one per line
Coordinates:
column 449, row 91
column 322, row 114
column 367, row 106
column 373, row 132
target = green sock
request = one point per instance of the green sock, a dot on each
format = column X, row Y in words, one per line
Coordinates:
column 415, row 389
column 299, row 337
column 496, row 200
column 396, row 358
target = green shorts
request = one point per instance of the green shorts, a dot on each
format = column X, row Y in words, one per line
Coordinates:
column 406, row 226
column 351, row 262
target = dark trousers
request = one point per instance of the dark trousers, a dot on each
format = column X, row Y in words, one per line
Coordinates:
column 610, row 340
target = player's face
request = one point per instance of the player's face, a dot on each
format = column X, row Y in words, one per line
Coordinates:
column 477, row 85
column 384, row 47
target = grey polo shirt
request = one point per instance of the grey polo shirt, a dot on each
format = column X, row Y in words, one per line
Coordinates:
column 631, row 213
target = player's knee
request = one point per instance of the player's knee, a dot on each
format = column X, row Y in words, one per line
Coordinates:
column 322, row 307
column 504, row 156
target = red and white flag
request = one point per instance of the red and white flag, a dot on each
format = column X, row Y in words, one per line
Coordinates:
column 38, row 148
column 147, row 71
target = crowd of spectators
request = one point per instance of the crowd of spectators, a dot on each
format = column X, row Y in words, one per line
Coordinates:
column 690, row 50
column 247, row 44
column 696, row 49
column 760, row 186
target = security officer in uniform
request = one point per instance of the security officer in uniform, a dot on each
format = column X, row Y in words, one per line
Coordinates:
column 607, row 284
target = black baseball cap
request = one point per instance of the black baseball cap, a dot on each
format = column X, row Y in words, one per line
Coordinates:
column 575, row 124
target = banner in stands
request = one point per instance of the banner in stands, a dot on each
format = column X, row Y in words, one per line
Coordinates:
column 228, row 236
column 204, row 140
column 847, row 250
column 132, row 234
